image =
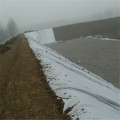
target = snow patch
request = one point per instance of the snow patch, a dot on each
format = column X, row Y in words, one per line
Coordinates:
column 44, row 36
column 99, row 37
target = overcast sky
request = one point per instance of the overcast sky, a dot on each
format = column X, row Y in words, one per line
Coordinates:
column 29, row 12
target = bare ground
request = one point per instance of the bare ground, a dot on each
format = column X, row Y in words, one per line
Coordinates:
column 24, row 92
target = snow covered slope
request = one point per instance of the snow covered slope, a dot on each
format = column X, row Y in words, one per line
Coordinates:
column 45, row 36
column 89, row 96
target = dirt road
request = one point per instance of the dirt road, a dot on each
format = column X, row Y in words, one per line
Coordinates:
column 24, row 92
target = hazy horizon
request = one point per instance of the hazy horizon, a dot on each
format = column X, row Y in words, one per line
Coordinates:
column 32, row 12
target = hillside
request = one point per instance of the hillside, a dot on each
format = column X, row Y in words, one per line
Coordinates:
column 107, row 27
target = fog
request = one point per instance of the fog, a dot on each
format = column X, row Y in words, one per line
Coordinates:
column 29, row 14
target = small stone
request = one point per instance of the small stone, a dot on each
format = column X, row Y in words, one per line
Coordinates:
column 79, row 61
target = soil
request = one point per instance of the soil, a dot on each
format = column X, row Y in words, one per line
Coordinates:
column 24, row 92
column 4, row 48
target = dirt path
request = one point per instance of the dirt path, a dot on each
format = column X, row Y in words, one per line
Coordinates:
column 23, row 90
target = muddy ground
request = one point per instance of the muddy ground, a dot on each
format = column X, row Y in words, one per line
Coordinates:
column 24, row 92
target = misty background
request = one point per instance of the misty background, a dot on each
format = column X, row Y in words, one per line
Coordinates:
column 17, row 16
